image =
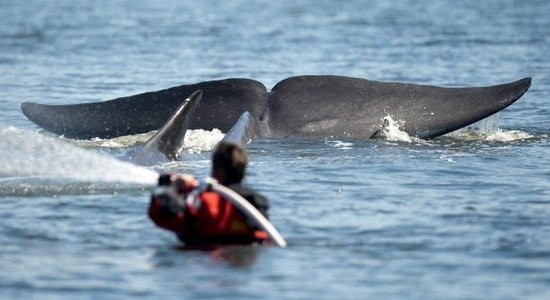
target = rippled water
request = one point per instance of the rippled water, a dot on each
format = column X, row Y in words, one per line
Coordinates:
column 463, row 216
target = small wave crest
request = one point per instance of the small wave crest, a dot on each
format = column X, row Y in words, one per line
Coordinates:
column 341, row 145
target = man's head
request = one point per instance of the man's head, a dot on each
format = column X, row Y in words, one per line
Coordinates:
column 228, row 163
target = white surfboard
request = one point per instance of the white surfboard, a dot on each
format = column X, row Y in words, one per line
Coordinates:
column 249, row 211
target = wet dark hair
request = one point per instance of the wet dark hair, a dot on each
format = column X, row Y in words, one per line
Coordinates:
column 230, row 160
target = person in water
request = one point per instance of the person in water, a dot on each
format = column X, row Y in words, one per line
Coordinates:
column 202, row 216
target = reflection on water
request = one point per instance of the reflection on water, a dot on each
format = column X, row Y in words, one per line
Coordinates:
column 235, row 256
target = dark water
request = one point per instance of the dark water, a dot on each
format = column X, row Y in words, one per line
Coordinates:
column 464, row 216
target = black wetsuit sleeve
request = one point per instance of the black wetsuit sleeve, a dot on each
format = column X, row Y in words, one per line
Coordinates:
column 258, row 201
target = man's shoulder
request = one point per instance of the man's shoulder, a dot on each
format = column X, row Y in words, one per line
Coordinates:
column 248, row 193
column 243, row 190
column 256, row 199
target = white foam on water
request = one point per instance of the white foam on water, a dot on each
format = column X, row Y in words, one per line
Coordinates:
column 489, row 130
column 32, row 155
column 126, row 141
column 199, row 140
column 485, row 130
column 195, row 141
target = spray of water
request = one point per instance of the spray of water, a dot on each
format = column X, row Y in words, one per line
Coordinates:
column 28, row 157
column 485, row 130
column 392, row 131
column 489, row 130
column 199, row 140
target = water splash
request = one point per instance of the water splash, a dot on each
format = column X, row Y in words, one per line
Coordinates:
column 29, row 157
column 195, row 141
column 199, row 140
column 391, row 131
column 489, row 130
column 485, row 130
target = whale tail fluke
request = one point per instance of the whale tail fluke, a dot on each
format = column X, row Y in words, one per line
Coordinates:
column 300, row 106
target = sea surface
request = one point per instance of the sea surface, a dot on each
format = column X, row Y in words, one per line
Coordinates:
column 464, row 216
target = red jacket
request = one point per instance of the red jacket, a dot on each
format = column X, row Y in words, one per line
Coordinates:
column 209, row 220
